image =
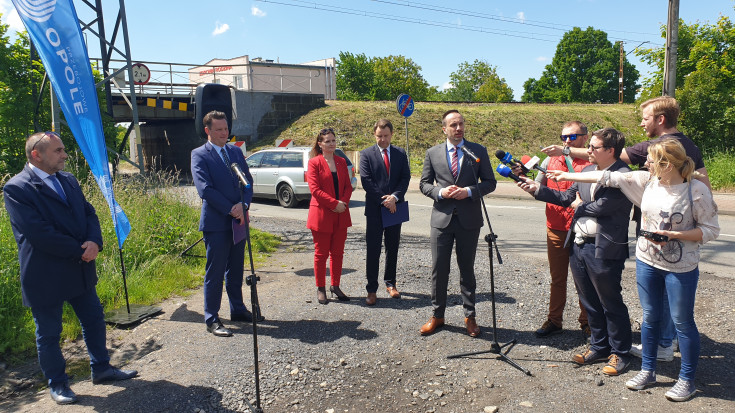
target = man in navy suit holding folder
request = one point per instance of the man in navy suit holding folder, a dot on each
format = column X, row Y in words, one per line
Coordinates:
column 224, row 201
column 385, row 174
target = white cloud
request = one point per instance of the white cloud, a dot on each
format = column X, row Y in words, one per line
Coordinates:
column 10, row 17
column 542, row 59
column 257, row 12
column 521, row 16
column 447, row 86
column 220, row 28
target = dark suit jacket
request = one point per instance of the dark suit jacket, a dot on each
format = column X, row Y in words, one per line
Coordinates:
column 437, row 175
column 610, row 207
column 323, row 200
column 49, row 233
column 375, row 179
column 217, row 185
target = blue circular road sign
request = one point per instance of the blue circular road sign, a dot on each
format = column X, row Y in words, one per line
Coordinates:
column 404, row 104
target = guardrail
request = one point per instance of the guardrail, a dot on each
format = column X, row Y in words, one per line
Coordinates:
column 175, row 78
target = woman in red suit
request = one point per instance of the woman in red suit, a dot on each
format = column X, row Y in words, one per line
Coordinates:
column 329, row 213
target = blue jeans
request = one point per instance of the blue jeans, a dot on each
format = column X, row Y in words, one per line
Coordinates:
column 89, row 311
column 681, row 289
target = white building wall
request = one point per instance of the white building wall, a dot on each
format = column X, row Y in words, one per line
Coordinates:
column 316, row 77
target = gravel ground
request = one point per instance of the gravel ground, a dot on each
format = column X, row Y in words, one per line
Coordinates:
column 348, row 357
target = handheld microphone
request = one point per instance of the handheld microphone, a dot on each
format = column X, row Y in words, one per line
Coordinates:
column 507, row 159
column 236, row 168
column 469, row 153
column 532, row 163
column 505, row 171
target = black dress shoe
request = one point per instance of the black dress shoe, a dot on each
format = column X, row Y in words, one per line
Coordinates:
column 247, row 316
column 335, row 290
column 62, row 394
column 113, row 374
column 218, row 329
column 548, row 329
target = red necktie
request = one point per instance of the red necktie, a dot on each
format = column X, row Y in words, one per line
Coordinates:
column 455, row 158
column 386, row 160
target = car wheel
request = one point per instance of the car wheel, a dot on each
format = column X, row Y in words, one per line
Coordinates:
column 286, row 196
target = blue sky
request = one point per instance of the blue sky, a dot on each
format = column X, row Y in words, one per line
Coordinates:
column 518, row 37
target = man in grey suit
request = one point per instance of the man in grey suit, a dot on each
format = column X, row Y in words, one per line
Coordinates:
column 456, row 183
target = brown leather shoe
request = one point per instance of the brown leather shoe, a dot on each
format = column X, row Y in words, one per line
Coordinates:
column 371, row 299
column 472, row 329
column 393, row 292
column 431, row 326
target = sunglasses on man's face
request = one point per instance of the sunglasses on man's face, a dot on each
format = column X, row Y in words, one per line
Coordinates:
column 572, row 136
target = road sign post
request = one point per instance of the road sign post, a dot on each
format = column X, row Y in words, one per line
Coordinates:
column 404, row 104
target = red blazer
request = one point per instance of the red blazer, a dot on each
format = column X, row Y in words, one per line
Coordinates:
column 321, row 218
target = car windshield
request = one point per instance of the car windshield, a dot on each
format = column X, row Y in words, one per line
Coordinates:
column 342, row 155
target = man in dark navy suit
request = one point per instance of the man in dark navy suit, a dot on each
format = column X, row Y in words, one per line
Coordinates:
column 59, row 237
column 599, row 248
column 224, row 200
column 384, row 174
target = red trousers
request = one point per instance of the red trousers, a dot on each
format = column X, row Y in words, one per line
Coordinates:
column 329, row 245
column 559, row 269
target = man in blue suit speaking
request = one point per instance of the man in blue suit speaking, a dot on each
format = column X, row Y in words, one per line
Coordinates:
column 58, row 235
column 224, row 201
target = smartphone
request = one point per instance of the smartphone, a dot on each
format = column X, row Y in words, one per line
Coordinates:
column 653, row 236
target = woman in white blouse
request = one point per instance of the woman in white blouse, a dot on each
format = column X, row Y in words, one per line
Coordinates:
column 681, row 209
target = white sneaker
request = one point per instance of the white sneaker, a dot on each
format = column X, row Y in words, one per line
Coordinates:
column 663, row 354
column 641, row 380
column 682, row 391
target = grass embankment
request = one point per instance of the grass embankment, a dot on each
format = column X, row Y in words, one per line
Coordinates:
column 518, row 129
column 162, row 227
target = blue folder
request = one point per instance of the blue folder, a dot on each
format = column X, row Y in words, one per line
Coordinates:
column 398, row 217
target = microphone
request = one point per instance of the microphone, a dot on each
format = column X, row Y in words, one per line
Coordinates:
column 507, row 159
column 505, row 171
column 236, row 169
column 532, row 163
column 469, row 153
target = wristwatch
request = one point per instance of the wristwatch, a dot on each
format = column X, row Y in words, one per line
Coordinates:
column 566, row 151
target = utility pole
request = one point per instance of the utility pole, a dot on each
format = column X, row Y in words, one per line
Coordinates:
column 620, row 85
column 672, row 42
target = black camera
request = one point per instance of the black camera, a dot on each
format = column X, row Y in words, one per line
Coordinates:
column 653, row 236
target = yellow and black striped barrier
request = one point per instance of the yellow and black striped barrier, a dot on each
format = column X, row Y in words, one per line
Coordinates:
column 167, row 104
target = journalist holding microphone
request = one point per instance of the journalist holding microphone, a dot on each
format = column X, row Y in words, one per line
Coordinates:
column 678, row 215
column 329, row 212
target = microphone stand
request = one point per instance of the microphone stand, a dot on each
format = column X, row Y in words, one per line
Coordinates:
column 252, row 281
column 495, row 347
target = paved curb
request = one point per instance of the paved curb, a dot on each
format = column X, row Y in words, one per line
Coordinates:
column 508, row 190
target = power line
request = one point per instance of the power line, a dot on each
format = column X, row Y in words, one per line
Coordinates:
column 513, row 20
column 364, row 13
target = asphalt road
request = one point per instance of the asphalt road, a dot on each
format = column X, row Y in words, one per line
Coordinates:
column 520, row 226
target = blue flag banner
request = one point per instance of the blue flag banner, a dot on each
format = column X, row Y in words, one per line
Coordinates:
column 54, row 28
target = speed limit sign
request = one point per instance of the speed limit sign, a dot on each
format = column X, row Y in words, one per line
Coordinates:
column 141, row 74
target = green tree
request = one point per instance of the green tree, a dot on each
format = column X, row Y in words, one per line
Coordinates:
column 585, row 68
column 355, row 77
column 17, row 77
column 395, row 75
column 705, row 81
column 379, row 78
column 478, row 82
